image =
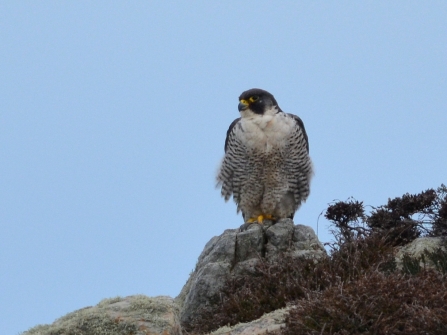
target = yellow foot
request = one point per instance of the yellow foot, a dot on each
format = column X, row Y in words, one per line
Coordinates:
column 260, row 219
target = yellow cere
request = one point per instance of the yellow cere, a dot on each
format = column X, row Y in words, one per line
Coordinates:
column 245, row 102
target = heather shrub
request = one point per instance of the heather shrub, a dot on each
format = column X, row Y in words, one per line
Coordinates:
column 245, row 298
column 376, row 303
column 357, row 289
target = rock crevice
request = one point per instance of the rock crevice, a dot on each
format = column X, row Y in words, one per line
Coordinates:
column 236, row 253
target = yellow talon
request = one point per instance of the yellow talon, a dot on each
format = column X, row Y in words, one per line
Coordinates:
column 260, row 219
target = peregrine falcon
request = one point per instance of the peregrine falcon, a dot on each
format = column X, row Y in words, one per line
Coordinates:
column 266, row 166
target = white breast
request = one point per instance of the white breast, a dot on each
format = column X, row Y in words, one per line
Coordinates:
column 266, row 132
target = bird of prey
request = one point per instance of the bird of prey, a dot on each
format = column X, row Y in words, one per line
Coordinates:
column 266, row 166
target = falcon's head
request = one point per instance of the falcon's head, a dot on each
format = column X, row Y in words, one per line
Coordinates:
column 256, row 100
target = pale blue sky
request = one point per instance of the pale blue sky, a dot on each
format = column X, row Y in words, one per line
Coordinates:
column 113, row 118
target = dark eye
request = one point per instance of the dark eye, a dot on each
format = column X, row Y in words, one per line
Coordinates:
column 254, row 98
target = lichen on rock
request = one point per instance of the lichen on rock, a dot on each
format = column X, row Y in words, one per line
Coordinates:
column 138, row 315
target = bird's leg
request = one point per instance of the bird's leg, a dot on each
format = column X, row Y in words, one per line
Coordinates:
column 260, row 218
column 251, row 220
column 263, row 217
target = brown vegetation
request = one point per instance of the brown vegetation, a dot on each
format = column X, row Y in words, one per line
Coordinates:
column 358, row 289
column 376, row 303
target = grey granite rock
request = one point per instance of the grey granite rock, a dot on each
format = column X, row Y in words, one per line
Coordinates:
column 268, row 324
column 417, row 247
column 236, row 252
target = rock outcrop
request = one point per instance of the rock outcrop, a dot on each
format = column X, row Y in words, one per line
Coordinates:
column 268, row 324
column 236, row 252
column 418, row 247
column 138, row 314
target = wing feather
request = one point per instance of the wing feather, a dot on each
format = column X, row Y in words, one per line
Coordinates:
column 230, row 129
column 300, row 124
column 298, row 163
column 231, row 175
